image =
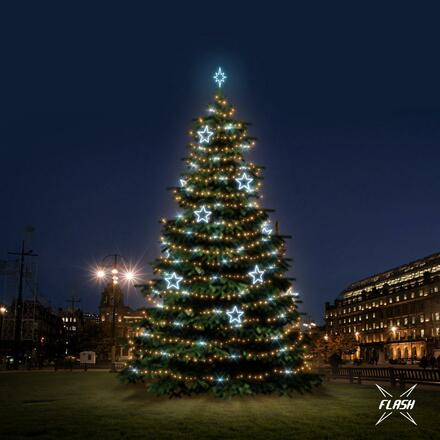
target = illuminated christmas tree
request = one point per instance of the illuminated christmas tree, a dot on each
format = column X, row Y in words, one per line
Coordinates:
column 227, row 320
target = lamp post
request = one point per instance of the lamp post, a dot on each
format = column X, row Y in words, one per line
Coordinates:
column 3, row 311
column 19, row 304
column 113, row 266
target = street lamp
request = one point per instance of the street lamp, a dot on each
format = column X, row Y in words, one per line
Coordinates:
column 3, row 311
column 113, row 267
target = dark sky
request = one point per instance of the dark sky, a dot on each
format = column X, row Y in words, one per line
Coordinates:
column 96, row 103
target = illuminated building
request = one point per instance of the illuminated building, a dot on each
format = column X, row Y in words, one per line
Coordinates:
column 394, row 315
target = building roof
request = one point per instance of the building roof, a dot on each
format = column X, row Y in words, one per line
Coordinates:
column 400, row 274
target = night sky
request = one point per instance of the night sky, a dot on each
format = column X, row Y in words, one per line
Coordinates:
column 96, row 104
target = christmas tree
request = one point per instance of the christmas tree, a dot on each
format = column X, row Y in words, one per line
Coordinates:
column 227, row 319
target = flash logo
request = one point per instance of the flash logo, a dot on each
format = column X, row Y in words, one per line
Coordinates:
column 399, row 404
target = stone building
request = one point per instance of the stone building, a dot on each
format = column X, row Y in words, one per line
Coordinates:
column 394, row 315
column 115, row 335
column 41, row 331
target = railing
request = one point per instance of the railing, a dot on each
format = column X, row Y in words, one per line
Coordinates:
column 391, row 374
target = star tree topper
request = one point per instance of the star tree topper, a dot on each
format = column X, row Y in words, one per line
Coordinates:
column 220, row 77
column 205, row 135
column 235, row 315
column 257, row 275
column 173, row 280
column 203, row 214
column 244, row 178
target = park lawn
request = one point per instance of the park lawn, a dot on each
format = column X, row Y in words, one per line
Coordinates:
column 79, row 405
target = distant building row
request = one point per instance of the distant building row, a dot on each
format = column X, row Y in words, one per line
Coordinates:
column 394, row 315
column 47, row 334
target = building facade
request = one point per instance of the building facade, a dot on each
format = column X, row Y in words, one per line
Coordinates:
column 115, row 336
column 41, row 335
column 394, row 315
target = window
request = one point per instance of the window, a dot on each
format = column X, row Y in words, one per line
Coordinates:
column 422, row 333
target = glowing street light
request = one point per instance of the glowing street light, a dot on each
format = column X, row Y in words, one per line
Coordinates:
column 3, row 311
column 130, row 275
column 113, row 268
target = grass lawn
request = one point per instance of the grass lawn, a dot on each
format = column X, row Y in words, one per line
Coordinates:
column 77, row 405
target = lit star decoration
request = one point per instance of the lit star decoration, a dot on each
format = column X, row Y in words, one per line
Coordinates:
column 257, row 275
column 203, row 214
column 220, row 77
column 205, row 135
column 244, row 178
column 235, row 315
column 173, row 280
column 266, row 229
